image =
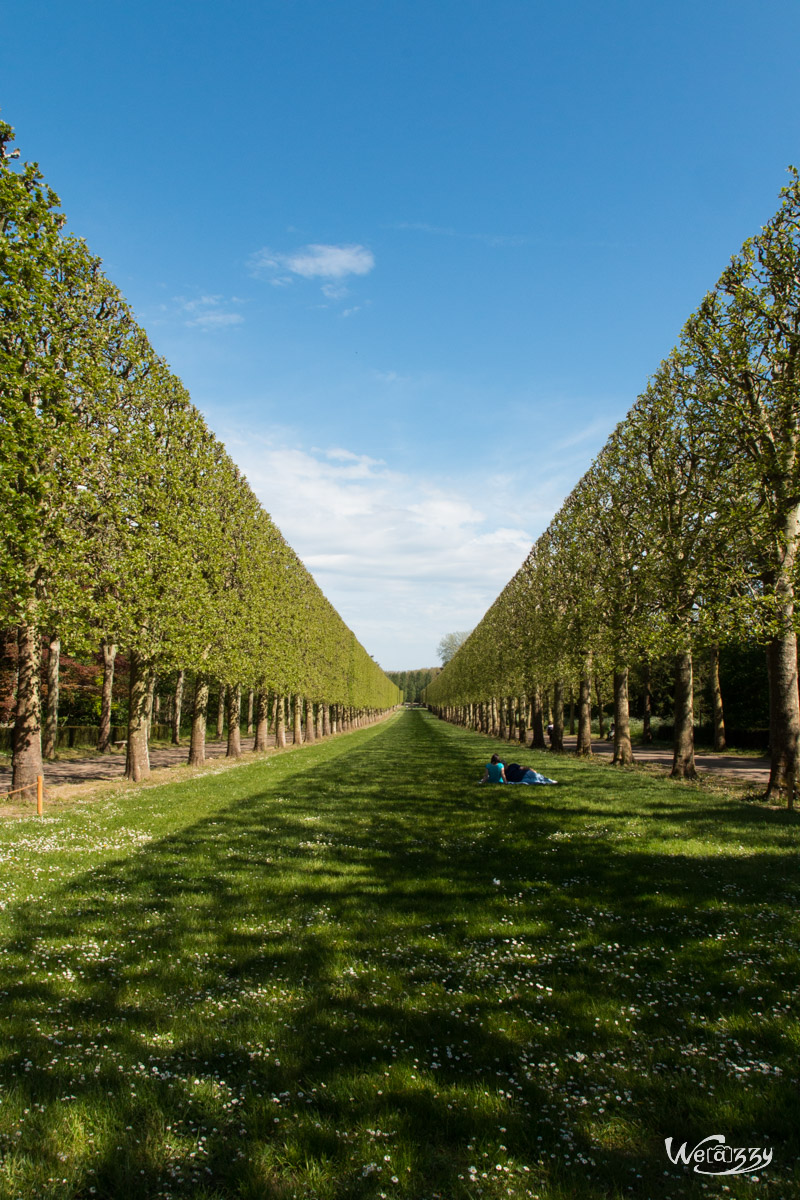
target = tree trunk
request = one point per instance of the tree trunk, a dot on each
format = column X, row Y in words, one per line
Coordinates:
column 137, row 761
column 221, row 711
column 537, row 719
column 647, row 705
column 683, row 754
column 557, row 741
column 280, row 722
column 623, row 751
column 601, row 721
column 250, row 700
column 784, row 703
column 571, row 711
column 262, row 722
column 584, row 747
column 784, row 721
column 523, row 725
column 297, row 720
column 197, row 745
column 320, row 731
column 177, row 705
column 311, row 735
column 51, row 714
column 234, row 749
column 151, row 698
column 717, row 711
column 26, row 760
column 326, row 720
column 109, row 657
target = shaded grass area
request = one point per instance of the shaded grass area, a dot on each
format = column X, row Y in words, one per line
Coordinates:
column 349, row 971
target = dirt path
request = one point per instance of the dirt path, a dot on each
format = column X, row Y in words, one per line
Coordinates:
column 735, row 766
column 95, row 768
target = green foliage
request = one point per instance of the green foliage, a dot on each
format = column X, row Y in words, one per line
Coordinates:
column 124, row 518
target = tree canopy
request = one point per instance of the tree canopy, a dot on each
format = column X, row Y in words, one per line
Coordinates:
column 126, row 521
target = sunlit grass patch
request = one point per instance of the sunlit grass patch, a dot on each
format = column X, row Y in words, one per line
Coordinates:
column 350, row 971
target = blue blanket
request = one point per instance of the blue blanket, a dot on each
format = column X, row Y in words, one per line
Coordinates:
column 532, row 776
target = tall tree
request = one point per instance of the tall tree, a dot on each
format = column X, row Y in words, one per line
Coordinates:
column 746, row 340
column 52, row 313
column 450, row 643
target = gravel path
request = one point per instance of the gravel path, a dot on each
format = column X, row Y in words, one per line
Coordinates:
column 98, row 767
column 735, row 766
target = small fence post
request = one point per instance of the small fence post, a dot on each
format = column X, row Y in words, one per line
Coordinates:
column 39, row 791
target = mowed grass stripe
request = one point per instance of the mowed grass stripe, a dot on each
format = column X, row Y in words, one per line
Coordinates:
column 350, row 971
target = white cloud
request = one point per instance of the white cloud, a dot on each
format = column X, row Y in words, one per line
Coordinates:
column 330, row 262
column 402, row 559
column 315, row 261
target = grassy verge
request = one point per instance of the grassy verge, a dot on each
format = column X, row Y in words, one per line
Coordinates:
column 351, row 972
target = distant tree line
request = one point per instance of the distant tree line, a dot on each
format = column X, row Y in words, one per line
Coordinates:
column 681, row 540
column 126, row 524
column 412, row 683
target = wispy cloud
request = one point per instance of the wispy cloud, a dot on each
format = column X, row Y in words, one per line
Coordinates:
column 209, row 312
column 315, row 261
column 211, row 320
column 335, row 291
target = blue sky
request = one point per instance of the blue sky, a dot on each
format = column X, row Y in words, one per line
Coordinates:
column 413, row 260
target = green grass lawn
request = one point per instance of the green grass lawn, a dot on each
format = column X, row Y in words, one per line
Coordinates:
column 349, row 971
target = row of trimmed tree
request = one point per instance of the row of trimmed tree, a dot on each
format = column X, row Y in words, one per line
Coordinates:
column 125, row 522
column 682, row 536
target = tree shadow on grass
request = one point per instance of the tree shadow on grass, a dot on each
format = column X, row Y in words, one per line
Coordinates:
column 376, row 959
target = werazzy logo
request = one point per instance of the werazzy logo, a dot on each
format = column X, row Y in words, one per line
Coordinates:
column 713, row 1157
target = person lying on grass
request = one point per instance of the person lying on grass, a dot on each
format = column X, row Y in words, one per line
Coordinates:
column 497, row 772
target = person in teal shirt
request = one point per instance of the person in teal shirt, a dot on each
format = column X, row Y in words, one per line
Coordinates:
column 495, row 771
